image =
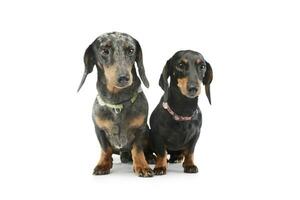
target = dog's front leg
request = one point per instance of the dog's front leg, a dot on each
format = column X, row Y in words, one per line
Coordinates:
column 140, row 165
column 161, row 154
column 105, row 163
column 176, row 156
column 161, row 164
column 188, row 163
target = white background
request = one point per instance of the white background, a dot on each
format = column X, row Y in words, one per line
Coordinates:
column 249, row 144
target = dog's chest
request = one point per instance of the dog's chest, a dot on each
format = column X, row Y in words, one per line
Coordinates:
column 178, row 134
column 119, row 127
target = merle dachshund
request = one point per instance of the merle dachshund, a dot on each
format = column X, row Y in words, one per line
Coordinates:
column 120, row 109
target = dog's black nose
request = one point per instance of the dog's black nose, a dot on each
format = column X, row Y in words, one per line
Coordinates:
column 123, row 79
column 192, row 90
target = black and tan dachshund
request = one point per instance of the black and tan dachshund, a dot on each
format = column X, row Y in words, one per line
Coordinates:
column 120, row 109
column 176, row 121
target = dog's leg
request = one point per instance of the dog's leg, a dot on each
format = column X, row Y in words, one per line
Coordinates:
column 105, row 163
column 175, row 156
column 188, row 163
column 140, row 165
column 148, row 149
column 161, row 164
column 125, row 157
column 150, row 157
column 161, row 153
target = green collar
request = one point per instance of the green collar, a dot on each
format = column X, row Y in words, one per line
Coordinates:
column 118, row 107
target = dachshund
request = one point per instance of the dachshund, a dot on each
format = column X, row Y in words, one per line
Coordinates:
column 176, row 121
column 120, row 109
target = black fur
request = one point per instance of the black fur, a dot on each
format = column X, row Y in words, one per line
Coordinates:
column 167, row 134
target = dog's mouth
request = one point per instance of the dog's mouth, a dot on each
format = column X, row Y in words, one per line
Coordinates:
column 115, row 86
column 191, row 96
column 123, row 85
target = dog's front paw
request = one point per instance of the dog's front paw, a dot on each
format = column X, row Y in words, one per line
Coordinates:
column 160, row 170
column 191, row 169
column 143, row 172
column 101, row 170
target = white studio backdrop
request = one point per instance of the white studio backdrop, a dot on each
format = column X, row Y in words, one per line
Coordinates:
column 249, row 143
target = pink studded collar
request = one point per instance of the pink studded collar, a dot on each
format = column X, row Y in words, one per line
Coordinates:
column 175, row 116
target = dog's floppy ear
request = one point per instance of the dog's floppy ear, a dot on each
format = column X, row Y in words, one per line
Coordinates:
column 89, row 62
column 163, row 80
column 207, row 79
column 140, row 64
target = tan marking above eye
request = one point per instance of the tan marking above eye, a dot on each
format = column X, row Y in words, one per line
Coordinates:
column 107, row 45
column 137, row 121
column 185, row 61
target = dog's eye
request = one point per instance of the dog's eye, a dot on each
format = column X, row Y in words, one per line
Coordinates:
column 180, row 67
column 105, row 52
column 202, row 67
column 130, row 51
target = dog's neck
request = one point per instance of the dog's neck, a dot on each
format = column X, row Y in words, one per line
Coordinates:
column 120, row 96
column 181, row 104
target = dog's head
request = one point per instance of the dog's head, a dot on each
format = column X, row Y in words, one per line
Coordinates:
column 115, row 54
column 187, row 70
